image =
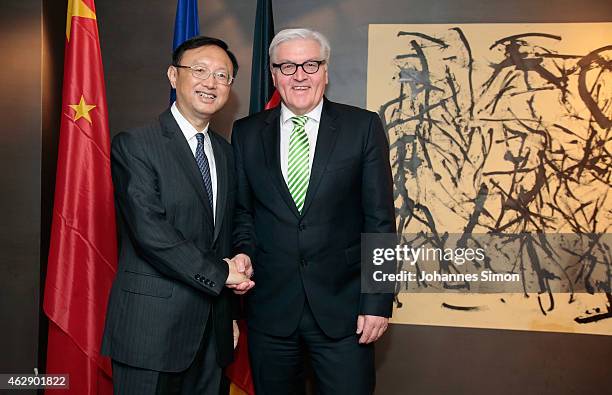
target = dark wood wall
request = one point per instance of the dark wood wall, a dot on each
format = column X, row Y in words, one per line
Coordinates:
column 20, row 177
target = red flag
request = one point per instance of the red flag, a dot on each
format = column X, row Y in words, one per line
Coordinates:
column 274, row 100
column 83, row 253
column 239, row 372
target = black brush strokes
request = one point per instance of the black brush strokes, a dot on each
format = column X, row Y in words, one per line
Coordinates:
column 446, row 129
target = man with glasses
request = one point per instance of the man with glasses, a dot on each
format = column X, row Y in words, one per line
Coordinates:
column 312, row 176
column 169, row 321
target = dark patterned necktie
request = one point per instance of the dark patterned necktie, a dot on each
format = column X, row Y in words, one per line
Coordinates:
column 202, row 162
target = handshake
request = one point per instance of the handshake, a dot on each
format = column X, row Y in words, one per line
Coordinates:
column 240, row 273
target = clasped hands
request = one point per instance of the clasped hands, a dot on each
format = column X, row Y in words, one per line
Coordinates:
column 240, row 273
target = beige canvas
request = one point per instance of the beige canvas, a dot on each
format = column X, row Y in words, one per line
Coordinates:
column 500, row 128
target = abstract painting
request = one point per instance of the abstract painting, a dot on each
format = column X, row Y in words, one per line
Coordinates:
column 502, row 128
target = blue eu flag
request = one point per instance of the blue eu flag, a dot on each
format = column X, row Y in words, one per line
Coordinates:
column 186, row 25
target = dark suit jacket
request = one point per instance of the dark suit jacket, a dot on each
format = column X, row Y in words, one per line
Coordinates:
column 316, row 255
column 171, row 274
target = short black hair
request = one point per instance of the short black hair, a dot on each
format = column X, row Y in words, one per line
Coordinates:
column 202, row 41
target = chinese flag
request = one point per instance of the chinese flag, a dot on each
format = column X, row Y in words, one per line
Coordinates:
column 83, row 253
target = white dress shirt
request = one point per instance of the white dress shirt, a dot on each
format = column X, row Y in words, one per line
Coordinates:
column 312, row 131
column 190, row 135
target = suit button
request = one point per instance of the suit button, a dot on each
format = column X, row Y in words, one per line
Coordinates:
column 207, row 282
column 303, row 263
column 212, row 283
column 302, row 227
column 197, row 276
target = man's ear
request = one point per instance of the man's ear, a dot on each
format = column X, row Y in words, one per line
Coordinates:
column 326, row 74
column 172, row 76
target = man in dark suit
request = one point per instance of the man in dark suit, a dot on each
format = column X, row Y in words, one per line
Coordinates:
column 169, row 321
column 312, row 176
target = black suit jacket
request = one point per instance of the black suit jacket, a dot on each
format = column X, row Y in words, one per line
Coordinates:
column 171, row 275
column 316, row 255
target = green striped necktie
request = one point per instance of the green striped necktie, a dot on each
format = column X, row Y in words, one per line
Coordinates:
column 298, row 168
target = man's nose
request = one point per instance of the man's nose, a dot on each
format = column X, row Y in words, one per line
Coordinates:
column 209, row 82
column 300, row 74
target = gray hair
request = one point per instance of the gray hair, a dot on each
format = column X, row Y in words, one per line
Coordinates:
column 303, row 34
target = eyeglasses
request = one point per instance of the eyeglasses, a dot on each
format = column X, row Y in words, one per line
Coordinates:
column 202, row 73
column 290, row 68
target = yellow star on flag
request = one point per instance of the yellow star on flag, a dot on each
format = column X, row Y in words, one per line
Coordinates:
column 82, row 110
column 77, row 8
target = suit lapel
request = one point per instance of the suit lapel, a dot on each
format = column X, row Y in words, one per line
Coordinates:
column 326, row 140
column 183, row 155
column 222, row 174
column 270, row 136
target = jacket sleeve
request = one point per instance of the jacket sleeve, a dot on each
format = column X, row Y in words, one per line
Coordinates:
column 377, row 205
column 244, row 231
column 155, row 238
